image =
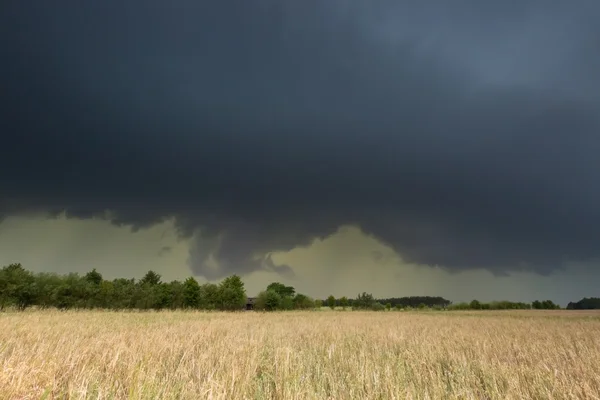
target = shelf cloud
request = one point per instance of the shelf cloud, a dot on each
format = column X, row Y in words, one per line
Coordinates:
column 465, row 135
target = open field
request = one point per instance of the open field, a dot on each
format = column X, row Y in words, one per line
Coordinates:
column 300, row 355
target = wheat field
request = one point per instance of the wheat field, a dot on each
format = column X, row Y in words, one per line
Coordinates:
column 300, row 355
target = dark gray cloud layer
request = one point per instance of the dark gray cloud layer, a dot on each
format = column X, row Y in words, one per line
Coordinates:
column 463, row 134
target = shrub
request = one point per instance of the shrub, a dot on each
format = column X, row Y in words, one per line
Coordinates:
column 268, row 300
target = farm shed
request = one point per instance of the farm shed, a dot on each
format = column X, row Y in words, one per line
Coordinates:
column 250, row 303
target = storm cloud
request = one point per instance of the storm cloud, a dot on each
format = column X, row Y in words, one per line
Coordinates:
column 463, row 134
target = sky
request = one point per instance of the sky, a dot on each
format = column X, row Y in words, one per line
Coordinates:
column 398, row 148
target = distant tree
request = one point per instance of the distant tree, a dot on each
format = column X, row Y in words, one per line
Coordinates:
column 260, row 302
column 303, row 302
column 331, row 302
column 459, row 306
column 318, row 303
column 209, row 296
column 388, row 306
column 475, row 305
column 176, row 295
column 106, row 296
column 549, row 305
column 282, row 289
column 17, row 287
column 124, row 292
column 494, row 305
column 507, row 305
column 191, row 293
column 414, row 301
column 542, row 305
column 587, row 303
column 344, row 302
column 232, row 293
column 46, row 286
column 268, row 300
column 287, row 303
column 162, row 296
column 151, row 278
column 145, row 296
column 72, row 292
column 363, row 301
column 94, row 277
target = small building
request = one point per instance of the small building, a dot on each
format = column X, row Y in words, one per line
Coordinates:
column 250, row 303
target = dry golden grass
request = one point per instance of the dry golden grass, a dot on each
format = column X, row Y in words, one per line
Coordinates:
column 299, row 355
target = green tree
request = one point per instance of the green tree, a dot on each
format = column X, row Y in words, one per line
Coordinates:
column 303, row 302
column 93, row 280
column 287, row 303
column 587, row 303
column 94, row 277
column 331, row 302
column 106, row 295
column 388, row 306
column 209, row 296
column 176, row 295
column 151, row 278
column 162, row 295
column 318, row 304
column 46, row 285
column 144, row 296
column 344, row 302
column 268, row 300
column 549, row 305
column 459, row 306
column 232, row 293
column 72, row 292
column 363, row 301
column 17, row 287
column 475, row 305
column 124, row 292
column 282, row 289
column 191, row 293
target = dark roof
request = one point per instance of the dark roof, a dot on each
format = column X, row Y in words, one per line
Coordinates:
column 251, row 300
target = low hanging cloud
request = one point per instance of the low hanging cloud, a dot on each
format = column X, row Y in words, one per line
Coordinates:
column 465, row 135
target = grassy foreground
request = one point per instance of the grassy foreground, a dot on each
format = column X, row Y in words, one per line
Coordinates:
column 300, row 355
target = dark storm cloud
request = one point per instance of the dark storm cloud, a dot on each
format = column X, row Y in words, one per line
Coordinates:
column 464, row 134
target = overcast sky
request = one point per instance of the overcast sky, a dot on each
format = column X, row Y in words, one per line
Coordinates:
column 402, row 148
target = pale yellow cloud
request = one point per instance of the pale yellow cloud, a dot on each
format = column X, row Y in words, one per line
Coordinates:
column 350, row 262
column 69, row 245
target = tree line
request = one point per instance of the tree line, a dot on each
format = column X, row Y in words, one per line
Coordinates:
column 365, row 301
column 587, row 303
column 20, row 288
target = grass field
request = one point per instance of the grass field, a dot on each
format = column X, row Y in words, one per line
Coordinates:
column 300, row 355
